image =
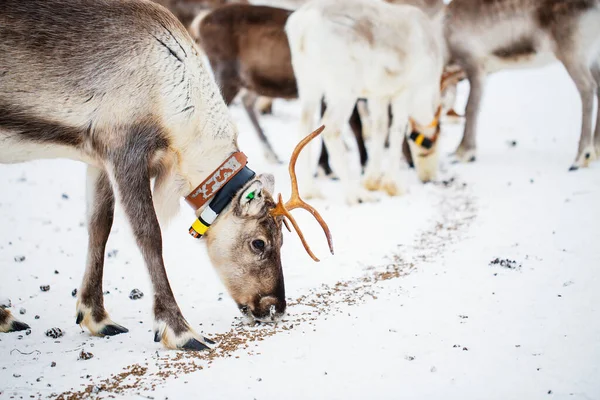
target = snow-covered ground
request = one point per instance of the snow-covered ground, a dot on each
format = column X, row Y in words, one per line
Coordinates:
column 411, row 306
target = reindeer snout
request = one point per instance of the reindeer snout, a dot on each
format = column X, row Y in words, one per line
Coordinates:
column 267, row 309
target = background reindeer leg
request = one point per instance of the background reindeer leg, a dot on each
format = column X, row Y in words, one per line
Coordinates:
column 249, row 100
column 100, row 213
column 131, row 177
column 596, row 73
column 476, row 77
column 587, row 87
column 9, row 324
column 357, row 129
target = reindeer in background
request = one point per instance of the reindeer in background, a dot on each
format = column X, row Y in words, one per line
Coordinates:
column 121, row 86
column 484, row 36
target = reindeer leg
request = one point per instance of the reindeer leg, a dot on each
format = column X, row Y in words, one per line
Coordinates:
column 249, row 100
column 100, row 212
column 131, row 178
column 393, row 182
column 596, row 73
column 586, row 85
column 336, row 116
column 8, row 323
column 466, row 150
column 379, row 116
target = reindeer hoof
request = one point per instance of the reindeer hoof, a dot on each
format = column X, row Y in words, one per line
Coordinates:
column 187, row 340
column 194, row 345
column 113, row 329
column 18, row 326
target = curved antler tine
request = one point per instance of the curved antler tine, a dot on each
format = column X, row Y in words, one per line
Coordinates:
column 286, row 225
column 294, row 158
column 287, row 215
column 321, row 222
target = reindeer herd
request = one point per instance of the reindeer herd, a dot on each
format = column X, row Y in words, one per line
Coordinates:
column 122, row 86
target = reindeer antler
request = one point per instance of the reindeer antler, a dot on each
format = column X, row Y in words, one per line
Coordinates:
column 296, row 202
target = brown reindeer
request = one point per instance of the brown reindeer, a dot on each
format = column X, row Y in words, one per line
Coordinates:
column 121, row 86
column 484, row 36
column 248, row 49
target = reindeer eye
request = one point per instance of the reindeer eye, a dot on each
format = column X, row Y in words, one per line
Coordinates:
column 258, row 244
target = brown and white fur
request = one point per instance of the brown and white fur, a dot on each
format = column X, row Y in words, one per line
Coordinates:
column 387, row 54
column 484, row 36
column 121, row 86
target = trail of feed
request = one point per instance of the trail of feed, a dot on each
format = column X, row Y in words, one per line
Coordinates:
column 458, row 210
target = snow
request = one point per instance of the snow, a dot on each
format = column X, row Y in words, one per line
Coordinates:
column 409, row 306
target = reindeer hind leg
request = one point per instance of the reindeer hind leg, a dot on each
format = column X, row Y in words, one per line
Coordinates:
column 8, row 323
column 100, row 212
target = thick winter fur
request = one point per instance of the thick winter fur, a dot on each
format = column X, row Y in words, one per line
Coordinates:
column 248, row 49
column 350, row 49
column 120, row 85
column 484, row 36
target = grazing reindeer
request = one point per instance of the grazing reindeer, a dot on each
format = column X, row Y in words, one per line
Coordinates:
column 350, row 49
column 248, row 49
column 484, row 36
column 121, row 86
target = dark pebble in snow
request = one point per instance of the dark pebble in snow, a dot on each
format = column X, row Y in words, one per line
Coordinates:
column 112, row 253
column 65, row 196
column 39, row 379
column 19, row 259
column 22, row 311
column 17, row 375
column 74, row 293
column 549, row 391
column 136, row 294
column 85, row 355
column 28, row 332
column 512, row 143
column 53, row 364
column 54, row 333
column 56, row 271
column 37, row 317
column 106, row 292
column 44, row 288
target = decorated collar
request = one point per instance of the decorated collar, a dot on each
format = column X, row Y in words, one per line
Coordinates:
column 221, row 186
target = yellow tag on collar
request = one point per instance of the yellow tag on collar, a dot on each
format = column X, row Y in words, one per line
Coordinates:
column 419, row 139
column 198, row 229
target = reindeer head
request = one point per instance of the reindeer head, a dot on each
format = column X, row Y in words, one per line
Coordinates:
column 422, row 140
column 244, row 244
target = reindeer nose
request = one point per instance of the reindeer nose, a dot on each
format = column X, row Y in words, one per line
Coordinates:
column 269, row 309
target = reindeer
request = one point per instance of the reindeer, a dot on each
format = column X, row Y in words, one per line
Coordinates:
column 484, row 36
column 248, row 49
column 350, row 49
column 121, row 86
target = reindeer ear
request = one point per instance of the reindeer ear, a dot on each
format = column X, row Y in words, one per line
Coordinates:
column 251, row 200
column 268, row 181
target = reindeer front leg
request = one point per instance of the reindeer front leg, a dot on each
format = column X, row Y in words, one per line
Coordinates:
column 131, row 177
column 467, row 147
column 100, row 213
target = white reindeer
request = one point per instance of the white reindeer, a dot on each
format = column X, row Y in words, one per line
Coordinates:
column 389, row 54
